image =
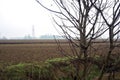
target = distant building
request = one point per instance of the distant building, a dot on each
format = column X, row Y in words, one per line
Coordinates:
column 51, row 37
column 28, row 37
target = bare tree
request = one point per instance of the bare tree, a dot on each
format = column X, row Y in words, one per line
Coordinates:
column 82, row 22
column 110, row 12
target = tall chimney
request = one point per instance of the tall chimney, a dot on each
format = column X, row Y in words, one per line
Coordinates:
column 33, row 32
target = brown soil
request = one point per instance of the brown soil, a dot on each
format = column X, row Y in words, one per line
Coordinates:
column 29, row 52
column 40, row 50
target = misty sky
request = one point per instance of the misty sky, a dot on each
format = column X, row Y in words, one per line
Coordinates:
column 18, row 16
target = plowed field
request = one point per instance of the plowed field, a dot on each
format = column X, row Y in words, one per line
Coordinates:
column 16, row 51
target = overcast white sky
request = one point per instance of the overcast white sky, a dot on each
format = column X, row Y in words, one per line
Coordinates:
column 18, row 16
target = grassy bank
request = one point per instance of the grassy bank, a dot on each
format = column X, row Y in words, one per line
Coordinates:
column 52, row 69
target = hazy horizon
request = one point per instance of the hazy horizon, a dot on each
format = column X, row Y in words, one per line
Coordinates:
column 17, row 18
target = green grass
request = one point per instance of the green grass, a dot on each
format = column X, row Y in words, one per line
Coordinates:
column 25, row 71
column 52, row 69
